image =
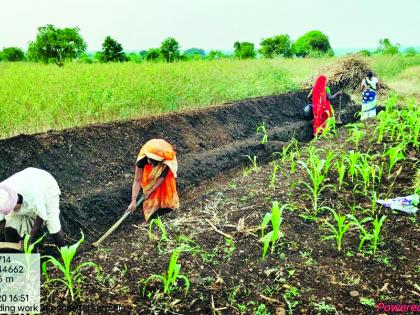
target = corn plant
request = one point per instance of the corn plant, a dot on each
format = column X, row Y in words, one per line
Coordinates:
column 352, row 159
column 316, row 169
column 377, row 225
column 273, row 176
column 341, row 171
column 276, row 218
column 294, row 155
column 395, row 154
column 330, row 129
column 339, row 230
column 365, row 171
column 169, row 279
column 158, row 222
column 364, row 234
column 286, row 149
column 72, row 276
column 356, row 135
column 262, row 129
column 254, row 163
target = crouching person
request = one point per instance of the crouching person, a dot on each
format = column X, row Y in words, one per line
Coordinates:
column 29, row 199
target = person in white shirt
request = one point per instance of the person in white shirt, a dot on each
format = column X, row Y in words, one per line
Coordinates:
column 27, row 200
column 370, row 86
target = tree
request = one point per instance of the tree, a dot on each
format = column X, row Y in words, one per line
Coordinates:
column 386, row 47
column 98, row 56
column 410, row 52
column 56, row 45
column 112, row 51
column 244, row 50
column 215, row 54
column 279, row 45
column 365, row 53
column 153, row 54
column 194, row 54
column 12, row 54
column 312, row 43
column 170, row 49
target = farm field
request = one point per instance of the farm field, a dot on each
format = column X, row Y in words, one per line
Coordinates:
column 36, row 97
column 217, row 241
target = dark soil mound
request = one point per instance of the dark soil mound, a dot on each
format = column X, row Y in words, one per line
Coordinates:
column 94, row 165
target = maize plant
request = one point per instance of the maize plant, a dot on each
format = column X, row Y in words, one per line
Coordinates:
column 292, row 145
column 352, row 159
column 339, row 230
column 341, row 171
column 364, row 234
column 263, row 130
column 273, row 176
column 395, row 154
column 365, row 171
column 356, row 135
column 316, row 169
column 330, row 129
column 276, row 218
column 72, row 277
column 158, row 222
column 169, row 279
column 254, row 164
column 377, row 225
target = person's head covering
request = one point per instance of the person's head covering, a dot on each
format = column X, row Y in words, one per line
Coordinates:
column 8, row 199
column 370, row 74
column 161, row 151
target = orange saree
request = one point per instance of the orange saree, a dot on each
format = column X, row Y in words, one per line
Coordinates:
column 165, row 195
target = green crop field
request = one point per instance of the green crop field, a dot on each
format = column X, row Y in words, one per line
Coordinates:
column 36, row 97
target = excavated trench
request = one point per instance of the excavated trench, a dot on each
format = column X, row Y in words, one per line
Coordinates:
column 94, row 165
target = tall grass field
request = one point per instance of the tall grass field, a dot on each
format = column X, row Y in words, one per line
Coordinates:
column 37, row 97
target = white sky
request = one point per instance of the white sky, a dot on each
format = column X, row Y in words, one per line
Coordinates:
column 213, row 24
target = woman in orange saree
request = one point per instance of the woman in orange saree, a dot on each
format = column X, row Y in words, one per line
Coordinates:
column 155, row 172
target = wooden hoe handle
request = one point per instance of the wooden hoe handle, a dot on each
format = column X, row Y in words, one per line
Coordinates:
column 117, row 224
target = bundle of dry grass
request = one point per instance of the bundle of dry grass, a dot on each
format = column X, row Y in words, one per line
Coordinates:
column 347, row 73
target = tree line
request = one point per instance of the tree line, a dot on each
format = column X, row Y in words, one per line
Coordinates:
column 59, row 45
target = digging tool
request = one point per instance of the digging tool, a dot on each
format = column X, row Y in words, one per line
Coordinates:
column 16, row 246
column 117, row 224
column 339, row 112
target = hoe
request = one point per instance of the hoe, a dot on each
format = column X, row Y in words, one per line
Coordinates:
column 117, row 224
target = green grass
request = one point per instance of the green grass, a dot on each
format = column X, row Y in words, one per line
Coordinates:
column 37, row 97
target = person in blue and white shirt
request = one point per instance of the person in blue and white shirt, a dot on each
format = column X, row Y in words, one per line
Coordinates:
column 370, row 86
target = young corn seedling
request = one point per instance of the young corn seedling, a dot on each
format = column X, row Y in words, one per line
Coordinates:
column 263, row 130
column 72, row 276
column 352, row 159
column 330, row 129
column 276, row 218
column 364, row 234
column 254, row 163
column 286, row 149
column 316, row 169
column 356, row 135
column 364, row 169
column 377, row 225
column 158, row 222
column 338, row 231
column 341, row 171
column 395, row 154
column 169, row 279
column 292, row 159
column 273, row 176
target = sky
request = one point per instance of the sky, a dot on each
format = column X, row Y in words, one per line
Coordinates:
column 213, row 24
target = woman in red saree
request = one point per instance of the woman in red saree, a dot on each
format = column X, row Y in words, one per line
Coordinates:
column 155, row 172
column 321, row 106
